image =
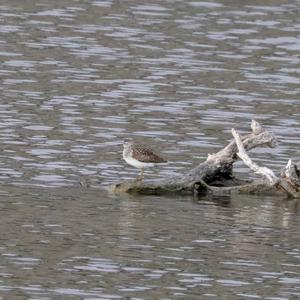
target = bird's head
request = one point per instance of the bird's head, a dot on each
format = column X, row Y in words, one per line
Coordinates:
column 127, row 144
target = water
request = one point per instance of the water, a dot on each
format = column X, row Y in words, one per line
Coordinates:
column 77, row 77
column 83, row 244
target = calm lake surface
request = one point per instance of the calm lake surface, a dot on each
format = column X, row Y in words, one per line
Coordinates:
column 77, row 77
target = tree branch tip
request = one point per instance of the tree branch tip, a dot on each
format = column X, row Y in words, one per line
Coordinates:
column 256, row 127
column 233, row 131
column 236, row 136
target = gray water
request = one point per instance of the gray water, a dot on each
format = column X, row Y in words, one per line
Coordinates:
column 77, row 77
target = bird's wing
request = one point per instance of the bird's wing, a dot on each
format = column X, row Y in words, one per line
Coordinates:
column 146, row 155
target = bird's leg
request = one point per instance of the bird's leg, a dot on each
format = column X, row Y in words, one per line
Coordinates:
column 141, row 176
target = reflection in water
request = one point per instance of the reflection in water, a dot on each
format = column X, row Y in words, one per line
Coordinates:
column 84, row 243
column 79, row 77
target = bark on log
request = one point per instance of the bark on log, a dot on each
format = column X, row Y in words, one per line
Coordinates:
column 211, row 176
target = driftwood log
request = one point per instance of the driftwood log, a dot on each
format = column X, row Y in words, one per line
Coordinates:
column 215, row 175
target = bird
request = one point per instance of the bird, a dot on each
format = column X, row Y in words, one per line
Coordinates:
column 140, row 157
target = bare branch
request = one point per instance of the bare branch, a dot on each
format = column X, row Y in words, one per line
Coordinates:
column 264, row 171
column 291, row 174
column 242, row 154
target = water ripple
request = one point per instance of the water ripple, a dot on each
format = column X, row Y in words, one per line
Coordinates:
column 79, row 77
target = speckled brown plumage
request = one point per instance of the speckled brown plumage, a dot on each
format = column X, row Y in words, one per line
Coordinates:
column 145, row 155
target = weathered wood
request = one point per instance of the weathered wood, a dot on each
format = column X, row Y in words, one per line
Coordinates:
column 242, row 154
column 200, row 180
column 291, row 173
column 288, row 182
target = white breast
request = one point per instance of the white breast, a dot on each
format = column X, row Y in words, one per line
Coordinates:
column 135, row 163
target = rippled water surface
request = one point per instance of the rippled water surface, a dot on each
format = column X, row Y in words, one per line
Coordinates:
column 77, row 77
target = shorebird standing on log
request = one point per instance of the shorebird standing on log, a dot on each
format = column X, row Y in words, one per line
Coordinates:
column 140, row 157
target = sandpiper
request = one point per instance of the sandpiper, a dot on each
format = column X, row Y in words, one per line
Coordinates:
column 140, row 157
